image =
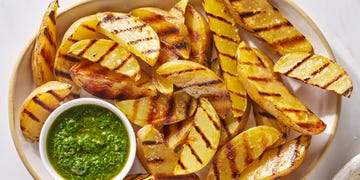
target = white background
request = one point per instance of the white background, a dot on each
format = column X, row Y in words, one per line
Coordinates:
column 338, row 21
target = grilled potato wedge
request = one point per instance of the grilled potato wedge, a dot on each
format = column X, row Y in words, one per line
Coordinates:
column 315, row 70
column 38, row 106
column 108, row 54
column 263, row 118
column 179, row 10
column 43, row 55
column 132, row 34
column 103, row 83
column 234, row 156
column 273, row 96
column 159, row 110
column 203, row 140
column 153, row 152
column 192, row 176
column 267, row 23
column 200, row 36
column 163, row 85
column 176, row 134
column 83, row 28
column 279, row 161
column 168, row 28
column 198, row 81
column 226, row 40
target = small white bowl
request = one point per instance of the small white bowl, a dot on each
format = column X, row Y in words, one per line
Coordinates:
column 86, row 101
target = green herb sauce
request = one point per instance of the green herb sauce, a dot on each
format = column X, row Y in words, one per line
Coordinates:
column 88, row 142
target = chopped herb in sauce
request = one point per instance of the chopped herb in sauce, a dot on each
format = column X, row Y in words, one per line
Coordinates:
column 88, row 142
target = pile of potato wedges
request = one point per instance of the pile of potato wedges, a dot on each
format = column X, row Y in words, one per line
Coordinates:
column 188, row 83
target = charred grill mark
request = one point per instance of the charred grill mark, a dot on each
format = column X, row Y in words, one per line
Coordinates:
column 62, row 74
column 170, row 110
column 88, row 27
column 168, row 31
column 55, row 95
column 226, row 127
column 70, row 58
column 153, row 109
column 48, row 57
column 248, row 156
column 109, row 17
column 203, row 137
column 111, row 49
column 247, row 63
column 206, row 83
column 88, row 46
column 296, row 152
column 221, row 36
column 334, row 80
column 140, row 40
column 178, row 9
column 278, row 160
column 216, row 169
column 133, row 28
column 36, row 100
column 244, row 15
column 71, row 39
column 150, row 51
column 49, row 36
column 151, row 143
column 31, row 115
column 219, row 18
column 291, row 110
column 289, row 40
column 188, row 107
column 298, row 64
column 180, row 45
column 123, row 63
column 260, row 79
column 136, row 109
column 272, row 27
column 317, row 71
column 181, row 164
column 155, row 160
column 227, row 55
column 237, row 93
column 52, row 17
column 266, row 114
column 183, row 71
column 229, row 73
column 231, row 156
column 194, row 153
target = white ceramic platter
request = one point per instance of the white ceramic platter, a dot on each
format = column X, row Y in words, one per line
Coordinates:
column 324, row 104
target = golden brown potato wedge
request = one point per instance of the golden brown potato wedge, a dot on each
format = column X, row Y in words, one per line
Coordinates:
column 315, row 70
column 203, row 140
column 103, row 83
column 108, row 54
column 159, row 110
column 198, row 81
column 176, row 134
column 266, row 22
column 192, row 176
column 132, row 33
column 179, row 9
column 168, row 28
column 226, row 40
column 234, row 156
column 38, row 106
column 163, row 85
column 153, row 152
column 83, row 28
column 279, row 161
column 273, row 96
column 43, row 55
column 200, row 36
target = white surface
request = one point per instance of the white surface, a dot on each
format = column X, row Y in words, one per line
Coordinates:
column 20, row 20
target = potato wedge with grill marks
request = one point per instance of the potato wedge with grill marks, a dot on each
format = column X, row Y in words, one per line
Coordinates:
column 179, row 10
column 153, row 152
column 279, row 161
column 200, row 36
column 226, row 40
column 273, row 96
column 43, row 55
column 132, row 33
column 315, row 70
column 203, row 140
column 266, row 22
column 172, row 33
column 83, row 28
column 159, row 110
column 198, row 81
column 234, row 156
column 38, row 105
column 108, row 54
column 103, row 83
